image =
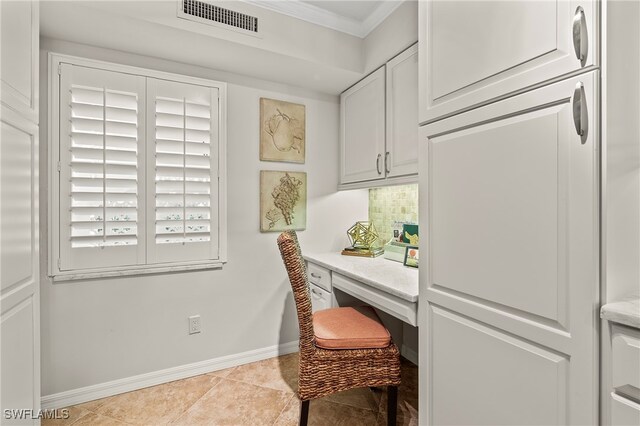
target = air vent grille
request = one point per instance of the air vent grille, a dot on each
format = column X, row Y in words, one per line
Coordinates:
column 221, row 15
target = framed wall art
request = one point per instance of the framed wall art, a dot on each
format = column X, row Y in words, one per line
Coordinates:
column 282, row 131
column 283, row 201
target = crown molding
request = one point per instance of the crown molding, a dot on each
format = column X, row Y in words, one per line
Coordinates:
column 316, row 15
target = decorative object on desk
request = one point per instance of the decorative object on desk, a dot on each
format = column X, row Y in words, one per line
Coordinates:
column 412, row 256
column 283, row 201
column 360, row 252
column 410, row 234
column 362, row 235
column 282, row 131
column 395, row 251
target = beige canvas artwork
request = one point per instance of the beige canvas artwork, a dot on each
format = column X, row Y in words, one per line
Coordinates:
column 282, row 131
column 283, row 201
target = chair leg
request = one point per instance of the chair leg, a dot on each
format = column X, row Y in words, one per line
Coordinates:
column 392, row 405
column 304, row 413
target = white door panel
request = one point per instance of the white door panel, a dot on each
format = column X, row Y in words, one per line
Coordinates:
column 402, row 114
column 362, row 130
column 481, row 376
column 511, row 215
column 19, row 47
column 475, row 51
column 19, row 242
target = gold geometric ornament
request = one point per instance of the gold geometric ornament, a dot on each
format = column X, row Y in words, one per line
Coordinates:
column 362, row 235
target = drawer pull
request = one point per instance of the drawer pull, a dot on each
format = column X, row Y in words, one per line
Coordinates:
column 580, row 39
column 580, row 116
column 316, row 276
column 316, row 292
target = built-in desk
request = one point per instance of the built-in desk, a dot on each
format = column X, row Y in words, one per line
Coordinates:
column 384, row 284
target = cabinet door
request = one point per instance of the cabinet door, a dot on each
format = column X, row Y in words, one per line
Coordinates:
column 19, row 46
column 511, row 196
column 362, row 130
column 473, row 52
column 401, row 157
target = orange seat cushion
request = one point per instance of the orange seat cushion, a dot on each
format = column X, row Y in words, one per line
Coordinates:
column 349, row 328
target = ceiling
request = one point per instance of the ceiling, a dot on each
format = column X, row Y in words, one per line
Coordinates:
column 354, row 17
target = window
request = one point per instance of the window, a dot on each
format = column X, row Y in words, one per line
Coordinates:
column 136, row 163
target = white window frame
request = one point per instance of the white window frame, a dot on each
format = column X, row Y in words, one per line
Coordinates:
column 53, row 114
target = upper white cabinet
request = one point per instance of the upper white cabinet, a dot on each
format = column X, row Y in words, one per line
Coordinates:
column 474, row 52
column 379, row 125
column 19, row 34
column 362, row 130
column 401, row 157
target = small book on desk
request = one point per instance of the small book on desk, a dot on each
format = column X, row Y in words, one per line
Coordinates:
column 373, row 252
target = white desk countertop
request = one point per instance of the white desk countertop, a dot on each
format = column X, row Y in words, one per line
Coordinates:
column 384, row 274
column 625, row 311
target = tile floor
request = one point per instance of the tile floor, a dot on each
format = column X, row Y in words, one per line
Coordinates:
column 261, row 393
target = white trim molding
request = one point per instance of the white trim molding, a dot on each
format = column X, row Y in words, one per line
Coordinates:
column 128, row 384
column 319, row 16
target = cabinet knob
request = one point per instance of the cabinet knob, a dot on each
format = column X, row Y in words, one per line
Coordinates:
column 580, row 37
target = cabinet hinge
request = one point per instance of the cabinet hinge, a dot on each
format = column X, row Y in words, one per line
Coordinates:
column 59, row 264
column 59, row 69
column 59, row 167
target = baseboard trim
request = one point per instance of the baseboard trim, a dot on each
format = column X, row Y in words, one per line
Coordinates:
column 128, row 384
column 409, row 354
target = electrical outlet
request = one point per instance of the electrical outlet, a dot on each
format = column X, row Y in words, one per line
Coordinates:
column 194, row 324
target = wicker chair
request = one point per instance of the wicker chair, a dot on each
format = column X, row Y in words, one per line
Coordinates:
column 326, row 371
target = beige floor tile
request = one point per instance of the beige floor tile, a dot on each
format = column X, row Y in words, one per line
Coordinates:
column 93, row 419
column 158, row 404
column 359, row 398
column 93, row 405
column 279, row 373
column 222, row 373
column 236, row 403
column 326, row 413
column 74, row 414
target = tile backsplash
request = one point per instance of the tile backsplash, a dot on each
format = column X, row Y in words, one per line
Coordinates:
column 390, row 204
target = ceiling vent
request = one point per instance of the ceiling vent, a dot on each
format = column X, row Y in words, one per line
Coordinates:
column 207, row 13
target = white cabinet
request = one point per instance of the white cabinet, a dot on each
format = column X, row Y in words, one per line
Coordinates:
column 401, row 156
column 320, row 298
column 19, row 212
column 511, row 193
column 379, row 125
column 362, row 130
column 474, row 52
column 624, row 366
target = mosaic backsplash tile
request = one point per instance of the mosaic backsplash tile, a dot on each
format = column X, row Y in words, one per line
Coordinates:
column 390, row 204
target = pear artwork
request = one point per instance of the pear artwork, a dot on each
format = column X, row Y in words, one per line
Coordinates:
column 282, row 131
column 286, row 133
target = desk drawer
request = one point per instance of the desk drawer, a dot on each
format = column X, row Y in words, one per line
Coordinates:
column 320, row 298
column 625, row 343
column 319, row 275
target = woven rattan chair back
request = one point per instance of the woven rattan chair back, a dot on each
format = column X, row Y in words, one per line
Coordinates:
column 297, row 271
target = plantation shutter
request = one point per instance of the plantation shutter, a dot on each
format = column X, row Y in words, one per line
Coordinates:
column 183, row 134
column 101, row 168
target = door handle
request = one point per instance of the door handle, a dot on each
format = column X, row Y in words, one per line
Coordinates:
column 386, row 162
column 580, row 113
column 580, row 37
column 378, row 164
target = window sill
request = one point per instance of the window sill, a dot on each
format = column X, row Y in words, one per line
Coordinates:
column 134, row 271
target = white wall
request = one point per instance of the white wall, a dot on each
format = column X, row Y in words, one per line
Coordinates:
column 621, row 150
column 102, row 330
column 393, row 35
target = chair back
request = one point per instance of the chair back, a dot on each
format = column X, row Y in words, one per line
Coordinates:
column 297, row 271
